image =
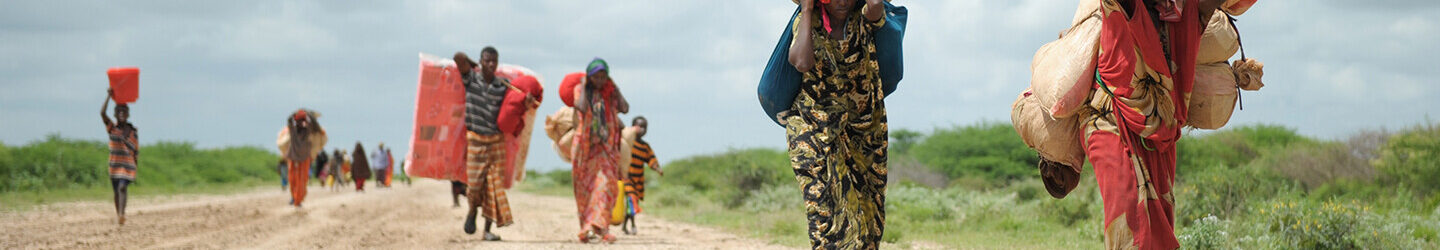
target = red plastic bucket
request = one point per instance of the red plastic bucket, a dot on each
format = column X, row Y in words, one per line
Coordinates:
column 126, row 83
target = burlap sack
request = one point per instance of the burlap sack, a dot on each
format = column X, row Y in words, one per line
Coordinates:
column 560, row 127
column 1212, row 101
column 1063, row 70
column 1248, row 72
column 1055, row 139
column 1237, row 7
column 1219, row 42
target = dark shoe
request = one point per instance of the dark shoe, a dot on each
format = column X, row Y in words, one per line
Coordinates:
column 470, row 222
column 491, row 237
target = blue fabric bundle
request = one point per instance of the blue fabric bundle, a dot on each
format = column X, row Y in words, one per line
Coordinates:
column 781, row 82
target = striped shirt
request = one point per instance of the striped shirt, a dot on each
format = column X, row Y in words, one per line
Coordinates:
column 123, row 148
column 482, row 103
column 640, row 156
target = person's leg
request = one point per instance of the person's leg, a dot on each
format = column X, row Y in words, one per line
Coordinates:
column 298, row 191
column 490, row 236
column 115, row 188
column 124, row 198
column 457, row 189
column 629, row 217
column 474, row 167
column 1115, row 177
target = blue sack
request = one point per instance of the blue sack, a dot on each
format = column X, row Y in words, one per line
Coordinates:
column 780, row 82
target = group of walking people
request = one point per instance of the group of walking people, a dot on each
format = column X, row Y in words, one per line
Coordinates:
column 836, row 129
column 596, row 153
column 302, row 143
column 341, row 168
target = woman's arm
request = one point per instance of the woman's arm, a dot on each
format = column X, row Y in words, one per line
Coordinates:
column 109, row 93
column 802, row 48
column 582, row 99
column 624, row 106
column 875, row 10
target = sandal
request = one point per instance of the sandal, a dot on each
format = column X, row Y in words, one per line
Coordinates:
column 609, row 239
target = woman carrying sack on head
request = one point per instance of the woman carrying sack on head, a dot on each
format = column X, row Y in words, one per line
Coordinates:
column 836, row 127
column 597, row 150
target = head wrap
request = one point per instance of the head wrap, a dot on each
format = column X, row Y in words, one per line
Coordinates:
column 596, row 66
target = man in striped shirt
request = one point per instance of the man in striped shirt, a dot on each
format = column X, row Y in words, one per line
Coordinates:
column 484, row 94
column 640, row 156
column 124, row 152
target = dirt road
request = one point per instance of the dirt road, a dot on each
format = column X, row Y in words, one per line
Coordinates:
column 415, row 217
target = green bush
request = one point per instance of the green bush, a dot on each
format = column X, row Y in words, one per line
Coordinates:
column 1305, row 225
column 1208, row 232
column 733, row 176
column 1412, row 159
column 1080, row 206
column 912, row 203
column 1232, row 147
column 56, row 163
column 1225, row 193
column 986, row 150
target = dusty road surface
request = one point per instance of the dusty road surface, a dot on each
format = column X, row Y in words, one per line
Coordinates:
column 415, row 217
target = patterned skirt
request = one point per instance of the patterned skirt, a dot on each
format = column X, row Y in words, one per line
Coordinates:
column 484, row 159
column 840, row 164
column 594, row 175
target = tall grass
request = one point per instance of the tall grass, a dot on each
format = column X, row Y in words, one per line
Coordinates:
column 974, row 186
column 58, row 165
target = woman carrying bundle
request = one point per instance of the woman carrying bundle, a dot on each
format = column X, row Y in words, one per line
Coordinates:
column 837, row 128
column 1145, row 70
column 597, row 150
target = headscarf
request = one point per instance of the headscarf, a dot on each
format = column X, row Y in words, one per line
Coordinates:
column 596, row 66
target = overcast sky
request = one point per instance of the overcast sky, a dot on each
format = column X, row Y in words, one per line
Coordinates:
column 220, row 73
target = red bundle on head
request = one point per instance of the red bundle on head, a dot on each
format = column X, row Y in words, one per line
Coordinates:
column 567, row 87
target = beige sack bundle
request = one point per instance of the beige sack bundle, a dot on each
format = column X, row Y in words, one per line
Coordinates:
column 1213, row 98
column 1063, row 70
column 627, row 146
column 1056, row 139
column 1248, row 72
column 560, row 127
column 1219, row 42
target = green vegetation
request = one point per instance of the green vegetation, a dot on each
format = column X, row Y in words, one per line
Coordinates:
column 59, row 169
column 1245, row 187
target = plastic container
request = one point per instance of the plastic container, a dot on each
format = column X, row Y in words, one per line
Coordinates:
column 125, row 81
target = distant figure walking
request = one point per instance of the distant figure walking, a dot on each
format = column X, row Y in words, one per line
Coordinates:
column 281, row 169
column 124, row 152
column 359, row 167
column 299, row 142
column 380, row 162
